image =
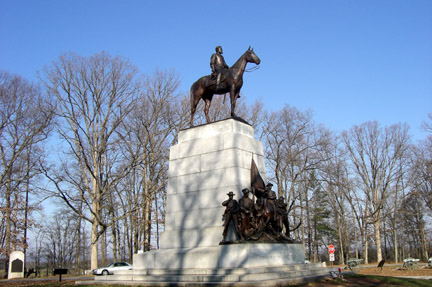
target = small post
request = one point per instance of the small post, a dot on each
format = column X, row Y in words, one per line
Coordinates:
column 60, row 272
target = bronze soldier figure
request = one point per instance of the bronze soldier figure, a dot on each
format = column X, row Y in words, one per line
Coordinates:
column 270, row 195
column 282, row 214
column 218, row 65
column 247, row 208
column 231, row 214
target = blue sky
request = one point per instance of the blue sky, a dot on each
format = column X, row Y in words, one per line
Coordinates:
column 347, row 61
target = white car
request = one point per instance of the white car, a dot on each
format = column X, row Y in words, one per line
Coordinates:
column 112, row 267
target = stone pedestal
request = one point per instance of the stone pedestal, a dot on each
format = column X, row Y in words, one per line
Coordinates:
column 207, row 163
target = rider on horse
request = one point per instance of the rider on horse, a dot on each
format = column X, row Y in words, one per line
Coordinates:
column 218, row 65
column 205, row 87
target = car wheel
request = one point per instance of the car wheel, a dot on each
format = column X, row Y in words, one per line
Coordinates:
column 105, row 272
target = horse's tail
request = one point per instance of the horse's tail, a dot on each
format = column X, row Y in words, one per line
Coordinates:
column 191, row 95
column 192, row 102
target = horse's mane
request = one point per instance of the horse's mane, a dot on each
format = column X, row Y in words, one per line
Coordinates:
column 238, row 63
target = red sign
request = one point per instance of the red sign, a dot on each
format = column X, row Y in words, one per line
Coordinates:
column 331, row 249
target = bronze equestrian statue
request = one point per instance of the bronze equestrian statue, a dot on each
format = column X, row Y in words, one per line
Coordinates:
column 231, row 82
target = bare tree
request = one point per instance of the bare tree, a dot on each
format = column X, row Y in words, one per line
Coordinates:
column 60, row 238
column 392, row 206
column 147, row 134
column 421, row 165
column 318, row 216
column 94, row 95
column 375, row 154
column 294, row 147
column 421, row 171
column 336, row 182
column 25, row 118
column 413, row 213
column 427, row 125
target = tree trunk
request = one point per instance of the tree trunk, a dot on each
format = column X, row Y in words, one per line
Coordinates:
column 309, row 230
column 366, row 248
column 346, row 243
column 363, row 233
column 78, row 248
column 355, row 240
column 114, row 238
column 424, row 242
column 157, row 221
column 341, row 244
column 103, row 247
column 26, row 208
column 8, row 206
column 315, row 245
column 94, row 246
column 377, row 225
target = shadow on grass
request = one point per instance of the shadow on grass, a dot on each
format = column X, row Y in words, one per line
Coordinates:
column 356, row 280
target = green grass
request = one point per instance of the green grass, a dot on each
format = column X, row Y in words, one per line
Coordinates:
column 387, row 281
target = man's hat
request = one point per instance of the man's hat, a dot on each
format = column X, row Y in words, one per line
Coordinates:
column 230, row 193
column 269, row 184
column 245, row 190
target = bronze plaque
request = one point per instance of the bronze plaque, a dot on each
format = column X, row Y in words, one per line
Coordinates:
column 17, row 266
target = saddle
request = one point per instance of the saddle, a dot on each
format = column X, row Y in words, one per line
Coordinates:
column 213, row 77
column 213, row 81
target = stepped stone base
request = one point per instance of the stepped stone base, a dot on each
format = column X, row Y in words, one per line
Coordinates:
column 256, row 276
column 250, row 264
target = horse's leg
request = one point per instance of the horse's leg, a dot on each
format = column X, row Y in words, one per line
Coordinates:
column 233, row 98
column 206, row 109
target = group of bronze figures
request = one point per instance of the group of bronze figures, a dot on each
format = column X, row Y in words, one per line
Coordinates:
column 261, row 218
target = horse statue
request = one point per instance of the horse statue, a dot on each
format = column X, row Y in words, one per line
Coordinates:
column 205, row 87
